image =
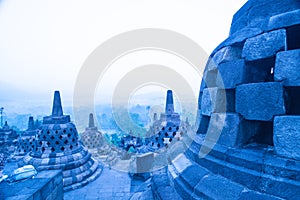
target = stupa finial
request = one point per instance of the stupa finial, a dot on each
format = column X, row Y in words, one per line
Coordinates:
column 169, row 102
column 91, row 121
column 57, row 108
column 31, row 123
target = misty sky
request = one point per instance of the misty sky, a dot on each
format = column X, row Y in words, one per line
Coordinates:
column 45, row 42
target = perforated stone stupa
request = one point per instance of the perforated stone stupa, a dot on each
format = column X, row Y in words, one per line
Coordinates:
column 248, row 141
column 168, row 129
column 26, row 142
column 92, row 138
column 96, row 144
column 57, row 147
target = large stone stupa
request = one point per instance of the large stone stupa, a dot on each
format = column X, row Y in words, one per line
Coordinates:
column 57, row 147
column 248, row 141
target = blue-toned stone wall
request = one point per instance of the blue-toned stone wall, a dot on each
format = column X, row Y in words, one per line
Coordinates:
column 254, row 76
column 46, row 185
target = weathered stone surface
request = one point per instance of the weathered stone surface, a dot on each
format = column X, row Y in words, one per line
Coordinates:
column 249, row 195
column 287, row 68
column 216, row 100
column 209, row 78
column 144, row 162
column 224, row 55
column 257, row 13
column 189, row 175
column 239, row 37
column 203, row 85
column 218, row 187
column 44, row 186
column 287, row 136
column 225, row 127
column 264, row 45
column 284, row 20
column 231, row 74
column 260, row 101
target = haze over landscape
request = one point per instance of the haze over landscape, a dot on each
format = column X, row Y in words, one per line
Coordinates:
column 44, row 44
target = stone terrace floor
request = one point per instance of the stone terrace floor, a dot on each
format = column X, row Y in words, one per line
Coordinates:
column 112, row 184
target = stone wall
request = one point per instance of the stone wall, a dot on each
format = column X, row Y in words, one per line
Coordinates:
column 47, row 185
column 253, row 78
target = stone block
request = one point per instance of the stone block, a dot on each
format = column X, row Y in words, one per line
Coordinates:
column 249, row 195
column 216, row 100
column 225, row 54
column 260, row 101
column 284, row 20
column 209, row 78
column 240, row 18
column 265, row 45
column 193, row 174
column 144, row 162
column 203, row 85
column 287, row 136
column 231, row 74
column 199, row 100
column 238, row 38
column 287, row 68
column 218, row 187
column 225, row 129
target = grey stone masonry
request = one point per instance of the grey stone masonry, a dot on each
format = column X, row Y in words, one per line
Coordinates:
column 287, row 68
column 265, row 45
column 256, row 13
column 284, row 20
column 231, row 74
column 224, row 55
column 46, row 185
column 226, row 127
column 213, row 100
column 287, row 136
column 260, row 101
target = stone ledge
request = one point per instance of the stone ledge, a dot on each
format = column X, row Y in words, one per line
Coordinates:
column 46, row 185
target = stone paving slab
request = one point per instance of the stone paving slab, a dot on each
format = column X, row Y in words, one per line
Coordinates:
column 112, row 184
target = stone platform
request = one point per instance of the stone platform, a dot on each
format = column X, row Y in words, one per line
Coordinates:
column 46, row 185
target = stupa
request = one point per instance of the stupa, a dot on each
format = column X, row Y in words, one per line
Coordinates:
column 166, row 130
column 8, row 136
column 247, row 146
column 26, row 142
column 57, row 147
column 92, row 138
column 170, row 115
column 96, row 144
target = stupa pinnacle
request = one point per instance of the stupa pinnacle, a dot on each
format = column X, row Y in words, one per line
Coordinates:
column 169, row 102
column 57, row 108
column 91, row 121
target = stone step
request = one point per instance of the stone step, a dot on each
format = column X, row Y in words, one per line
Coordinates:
column 161, row 188
column 257, row 159
column 91, row 178
column 77, row 178
column 196, row 182
column 253, row 179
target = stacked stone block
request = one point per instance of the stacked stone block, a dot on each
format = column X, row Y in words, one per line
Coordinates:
column 247, row 146
column 258, row 65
